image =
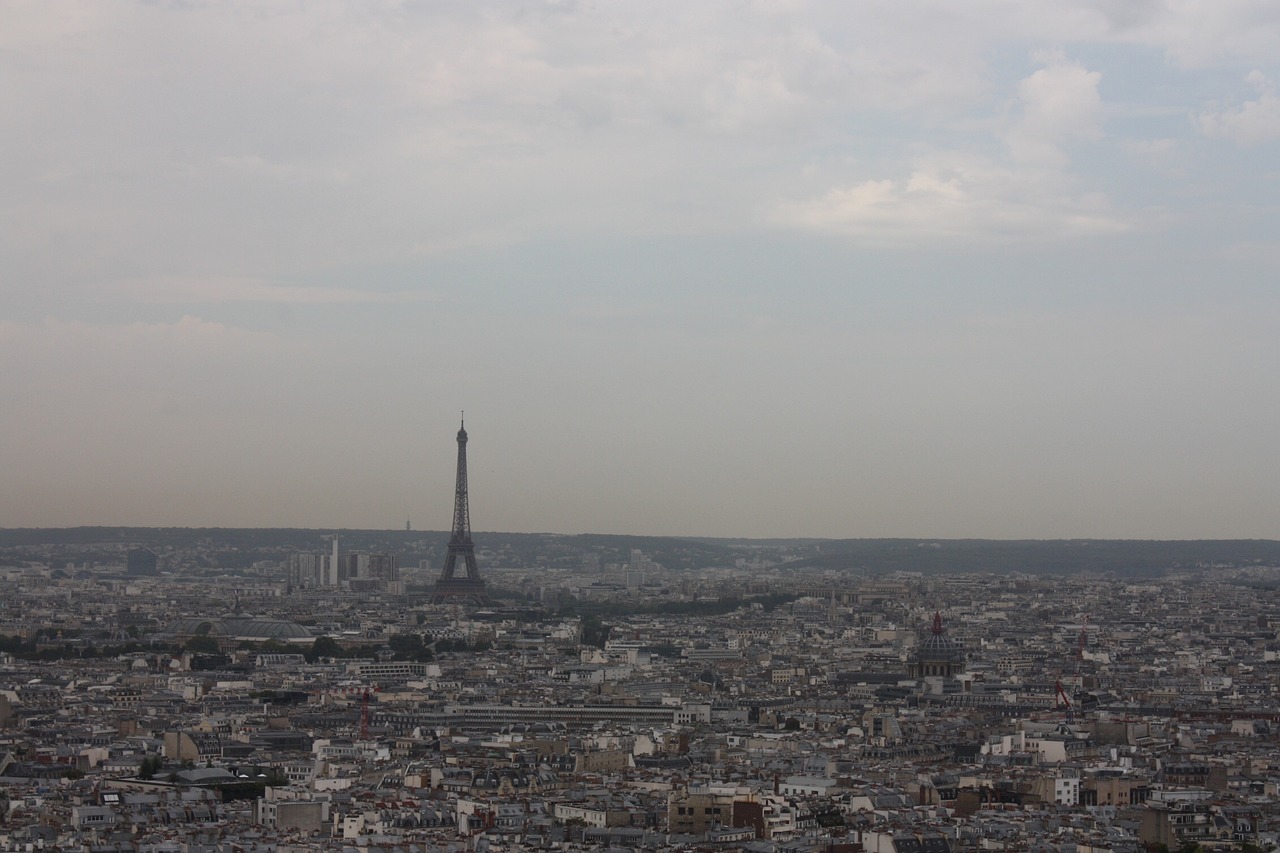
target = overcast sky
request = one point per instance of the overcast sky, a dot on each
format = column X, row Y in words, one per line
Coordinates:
column 741, row 268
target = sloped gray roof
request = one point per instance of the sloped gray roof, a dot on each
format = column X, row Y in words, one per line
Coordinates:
column 238, row 626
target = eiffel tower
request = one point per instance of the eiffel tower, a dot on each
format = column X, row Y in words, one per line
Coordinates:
column 468, row 588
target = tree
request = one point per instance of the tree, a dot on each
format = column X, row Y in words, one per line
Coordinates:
column 667, row 649
column 593, row 632
column 324, row 647
column 409, row 647
column 204, row 645
column 461, row 646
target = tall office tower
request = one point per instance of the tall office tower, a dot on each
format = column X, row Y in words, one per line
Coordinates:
column 348, row 568
column 329, row 575
column 452, row 587
column 382, row 567
column 306, row 570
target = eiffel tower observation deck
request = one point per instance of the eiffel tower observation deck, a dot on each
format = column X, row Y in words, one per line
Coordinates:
column 460, row 580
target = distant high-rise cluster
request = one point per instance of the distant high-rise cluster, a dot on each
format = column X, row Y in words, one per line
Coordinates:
column 636, row 570
column 348, row 571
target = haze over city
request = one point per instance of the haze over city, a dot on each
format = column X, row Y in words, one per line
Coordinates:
column 774, row 269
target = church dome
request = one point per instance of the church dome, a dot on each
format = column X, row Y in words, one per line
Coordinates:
column 938, row 653
column 940, row 647
column 240, row 628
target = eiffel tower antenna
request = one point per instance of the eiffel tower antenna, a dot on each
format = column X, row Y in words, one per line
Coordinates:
column 469, row 586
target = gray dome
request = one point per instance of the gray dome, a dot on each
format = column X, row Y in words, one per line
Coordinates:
column 937, row 647
column 940, row 647
column 234, row 626
column 937, row 654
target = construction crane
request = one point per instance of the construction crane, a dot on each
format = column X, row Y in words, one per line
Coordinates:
column 365, row 692
column 1062, row 700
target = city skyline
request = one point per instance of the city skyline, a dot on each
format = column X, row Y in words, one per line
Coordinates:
column 761, row 269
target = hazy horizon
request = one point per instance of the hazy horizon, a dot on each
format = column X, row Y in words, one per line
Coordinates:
column 750, row 269
column 480, row 534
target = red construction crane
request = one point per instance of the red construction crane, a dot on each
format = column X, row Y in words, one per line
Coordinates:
column 365, row 692
column 1061, row 700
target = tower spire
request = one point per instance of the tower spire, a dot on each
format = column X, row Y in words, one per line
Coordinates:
column 470, row 586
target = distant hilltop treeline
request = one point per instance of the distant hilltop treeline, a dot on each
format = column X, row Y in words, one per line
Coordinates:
column 234, row 547
column 1123, row 557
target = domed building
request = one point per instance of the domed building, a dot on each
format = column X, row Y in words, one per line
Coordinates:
column 239, row 628
column 937, row 654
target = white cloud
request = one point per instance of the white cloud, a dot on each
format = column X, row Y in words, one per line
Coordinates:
column 973, row 196
column 980, row 201
column 1251, row 123
column 1199, row 33
column 1059, row 102
column 344, row 134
